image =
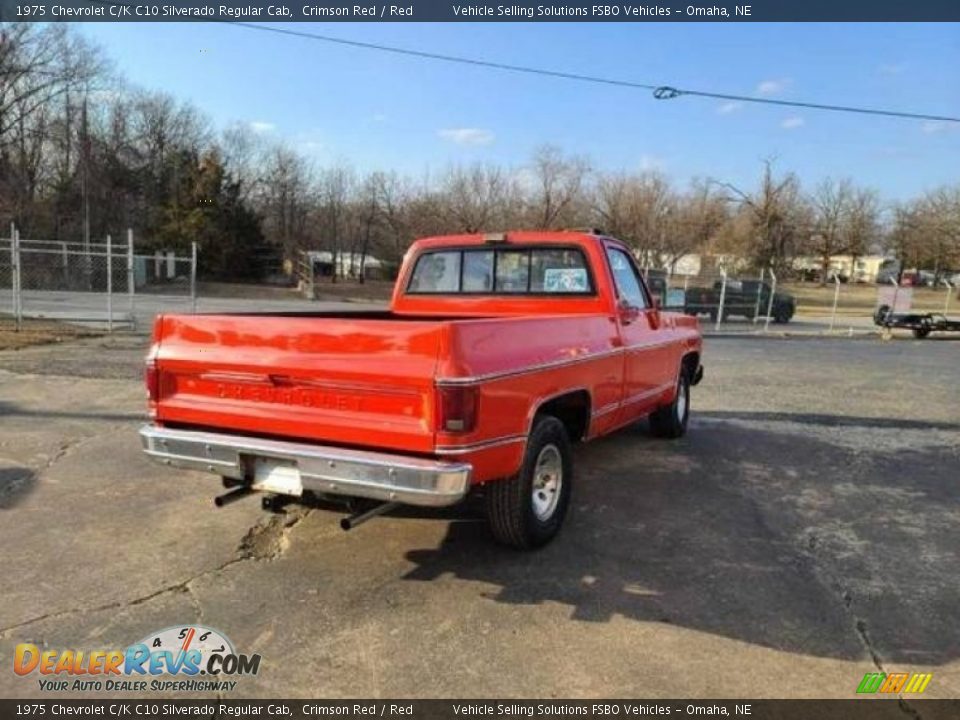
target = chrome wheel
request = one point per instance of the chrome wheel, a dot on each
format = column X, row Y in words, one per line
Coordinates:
column 683, row 402
column 547, row 482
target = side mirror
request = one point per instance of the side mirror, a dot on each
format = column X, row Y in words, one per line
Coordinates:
column 626, row 312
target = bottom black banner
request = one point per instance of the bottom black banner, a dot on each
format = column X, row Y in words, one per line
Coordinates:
column 855, row 709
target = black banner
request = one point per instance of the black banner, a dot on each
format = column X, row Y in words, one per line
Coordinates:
column 479, row 10
column 892, row 708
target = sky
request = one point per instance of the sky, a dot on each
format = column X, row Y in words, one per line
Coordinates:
column 381, row 111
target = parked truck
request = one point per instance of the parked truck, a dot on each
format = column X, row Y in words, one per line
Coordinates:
column 742, row 298
column 499, row 352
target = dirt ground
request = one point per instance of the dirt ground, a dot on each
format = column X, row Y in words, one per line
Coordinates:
column 39, row 332
column 802, row 534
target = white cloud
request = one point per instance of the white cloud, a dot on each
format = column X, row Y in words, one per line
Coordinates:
column 932, row 127
column 261, row 126
column 379, row 118
column 466, row 136
column 312, row 146
column 772, row 87
column 651, row 163
column 729, row 107
column 891, row 68
column 793, row 122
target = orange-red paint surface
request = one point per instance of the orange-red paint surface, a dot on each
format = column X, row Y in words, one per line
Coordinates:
column 370, row 380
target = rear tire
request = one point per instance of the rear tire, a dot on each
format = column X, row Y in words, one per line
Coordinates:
column 670, row 421
column 527, row 510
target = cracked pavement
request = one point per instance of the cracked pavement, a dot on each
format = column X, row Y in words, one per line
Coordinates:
column 802, row 534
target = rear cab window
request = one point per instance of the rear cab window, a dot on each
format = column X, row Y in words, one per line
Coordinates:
column 541, row 270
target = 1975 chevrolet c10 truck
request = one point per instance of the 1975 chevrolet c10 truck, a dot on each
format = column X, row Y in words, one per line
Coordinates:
column 499, row 352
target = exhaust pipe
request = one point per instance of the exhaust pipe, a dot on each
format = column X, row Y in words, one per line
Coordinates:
column 348, row 523
column 231, row 497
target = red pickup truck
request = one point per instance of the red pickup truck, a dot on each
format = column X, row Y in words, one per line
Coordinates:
column 498, row 353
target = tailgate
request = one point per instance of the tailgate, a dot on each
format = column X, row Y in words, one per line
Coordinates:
column 361, row 381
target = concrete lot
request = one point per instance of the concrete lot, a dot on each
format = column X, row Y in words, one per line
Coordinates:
column 802, row 534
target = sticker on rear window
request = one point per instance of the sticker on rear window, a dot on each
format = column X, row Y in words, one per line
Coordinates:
column 561, row 280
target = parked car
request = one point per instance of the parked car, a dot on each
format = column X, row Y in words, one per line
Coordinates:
column 498, row 354
column 744, row 298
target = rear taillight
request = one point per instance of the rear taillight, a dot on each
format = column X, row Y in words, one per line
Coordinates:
column 151, row 377
column 456, row 409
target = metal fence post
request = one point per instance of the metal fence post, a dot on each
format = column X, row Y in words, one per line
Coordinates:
column 109, row 284
column 193, row 276
column 773, row 291
column 16, row 279
column 946, row 302
column 13, row 274
column 131, row 280
column 836, row 299
column 723, row 297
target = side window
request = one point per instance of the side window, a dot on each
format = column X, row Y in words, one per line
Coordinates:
column 626, row 278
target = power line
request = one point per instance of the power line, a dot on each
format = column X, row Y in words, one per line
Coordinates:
column 660, row 92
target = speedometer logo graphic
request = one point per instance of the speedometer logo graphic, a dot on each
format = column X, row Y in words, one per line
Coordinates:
column 181, row 639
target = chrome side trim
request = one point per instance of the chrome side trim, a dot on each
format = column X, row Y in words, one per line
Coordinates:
column 639, row 397
column 323, row 469
column 646, row 394
column 500, row 374
column 553, row 364
column 649, row 345
column 484, row 445
column 605, row 410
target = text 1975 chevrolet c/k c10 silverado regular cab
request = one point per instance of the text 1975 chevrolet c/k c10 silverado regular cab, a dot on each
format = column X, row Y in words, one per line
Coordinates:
column 499, row 352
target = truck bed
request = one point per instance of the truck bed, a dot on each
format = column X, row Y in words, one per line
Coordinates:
column 364, row 379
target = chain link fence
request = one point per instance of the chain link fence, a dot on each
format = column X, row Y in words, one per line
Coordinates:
column 750, row 301
column 719, row 298
column 104, row 283
column 111, row 284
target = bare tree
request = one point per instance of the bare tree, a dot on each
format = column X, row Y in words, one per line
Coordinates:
column 558, row 181
column 336, row 185
column 285, row 199
column 861, row 224
column 473, row 197
column 831, row 203
column 779, row 218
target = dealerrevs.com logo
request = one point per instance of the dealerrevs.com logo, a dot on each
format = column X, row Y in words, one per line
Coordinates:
column 185, row 658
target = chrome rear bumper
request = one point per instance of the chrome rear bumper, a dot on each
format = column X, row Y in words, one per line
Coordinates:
column 322, row 469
